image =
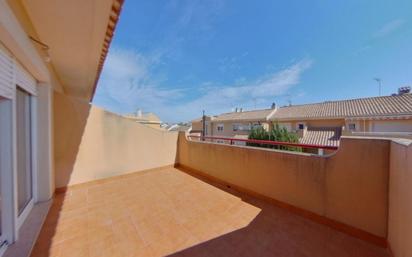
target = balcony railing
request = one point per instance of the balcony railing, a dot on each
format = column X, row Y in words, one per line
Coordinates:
column 231, row 141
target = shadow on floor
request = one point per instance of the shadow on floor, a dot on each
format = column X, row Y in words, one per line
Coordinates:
column 278, row 232
column 169, row 212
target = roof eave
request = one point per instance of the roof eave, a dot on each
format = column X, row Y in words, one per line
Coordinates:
column 111, row 27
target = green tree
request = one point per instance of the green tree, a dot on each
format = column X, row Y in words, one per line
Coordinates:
column 258, row 133
column 276, row 134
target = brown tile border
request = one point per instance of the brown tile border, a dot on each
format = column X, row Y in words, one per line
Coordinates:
column 62, row 190
column 347, row 229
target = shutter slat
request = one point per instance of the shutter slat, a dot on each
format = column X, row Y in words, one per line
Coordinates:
column 6, row 75
column 25, row 80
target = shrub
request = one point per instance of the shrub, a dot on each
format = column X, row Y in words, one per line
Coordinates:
column 258, row 133
column 276, row 134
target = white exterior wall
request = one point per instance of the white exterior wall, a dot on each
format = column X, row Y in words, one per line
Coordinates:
column 21, row 65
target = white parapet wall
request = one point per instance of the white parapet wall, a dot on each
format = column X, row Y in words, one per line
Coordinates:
column 350, row 186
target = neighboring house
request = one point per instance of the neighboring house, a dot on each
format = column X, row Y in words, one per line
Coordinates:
column 148, row 119
column 197, row 126
column 238, row 124
column 234, row 124
column 322, row 123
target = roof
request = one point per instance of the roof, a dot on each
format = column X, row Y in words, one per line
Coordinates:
column 149, row 117
column 244, row 115
column 200, row 119
column 363, row 107
column 328, row 136
column 78, row 35
column 111, row 26
column 145, row 117
column 177, row 127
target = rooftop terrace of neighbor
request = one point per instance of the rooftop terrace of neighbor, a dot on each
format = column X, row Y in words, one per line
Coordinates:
column 168, row 212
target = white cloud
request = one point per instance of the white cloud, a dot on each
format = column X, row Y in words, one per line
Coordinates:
column 389, row 27
column 265, row 89
column 128, row 82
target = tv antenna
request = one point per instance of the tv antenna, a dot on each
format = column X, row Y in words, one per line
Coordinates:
column 379, row 81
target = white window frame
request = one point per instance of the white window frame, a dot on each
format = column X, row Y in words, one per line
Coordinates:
column 7, row 173
column 16, row 76
column 33, row 136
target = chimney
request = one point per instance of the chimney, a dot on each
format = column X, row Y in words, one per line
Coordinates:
column 240, row 109
column 273, row 106
column 236, row 109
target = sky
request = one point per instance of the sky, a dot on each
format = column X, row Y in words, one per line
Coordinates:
column 176, row 58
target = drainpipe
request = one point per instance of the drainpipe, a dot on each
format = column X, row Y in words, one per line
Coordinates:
column 204, row 125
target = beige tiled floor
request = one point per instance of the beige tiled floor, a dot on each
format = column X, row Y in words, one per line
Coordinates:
column 168, row 212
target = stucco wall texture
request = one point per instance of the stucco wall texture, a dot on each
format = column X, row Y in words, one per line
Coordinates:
column 350, row 186
column 91, row 143
column 365, row 184
column 400, row 199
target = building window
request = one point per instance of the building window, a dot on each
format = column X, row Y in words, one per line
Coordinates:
column 301, row 126
column 352, row 126
column 24, row 153
column 240, row 127
column 236, row 127
column 220, row 127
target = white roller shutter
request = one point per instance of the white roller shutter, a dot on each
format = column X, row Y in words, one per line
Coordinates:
column 25, row 80
column 6, row 75
column 12, row 74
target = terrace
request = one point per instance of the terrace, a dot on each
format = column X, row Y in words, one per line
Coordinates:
column 196, row 198
column 168, row 212
column 76, row 180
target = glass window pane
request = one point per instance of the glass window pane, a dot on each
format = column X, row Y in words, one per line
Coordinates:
column 24, row 169
column 2, row 101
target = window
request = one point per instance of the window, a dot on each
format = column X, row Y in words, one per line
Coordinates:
column 241, row 127
column 352, row 126
column 6, row 171
column 220, row 127
column 301, row 126
column 24, row 153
